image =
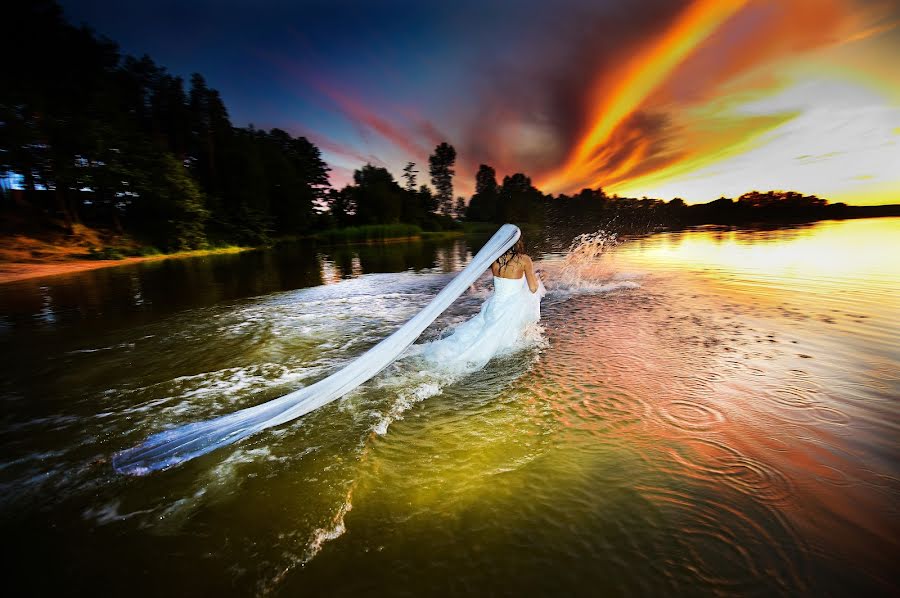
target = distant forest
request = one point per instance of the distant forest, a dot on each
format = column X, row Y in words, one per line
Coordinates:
column 97, row 137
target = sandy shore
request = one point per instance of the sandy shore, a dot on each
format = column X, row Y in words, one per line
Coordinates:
column 12, row 271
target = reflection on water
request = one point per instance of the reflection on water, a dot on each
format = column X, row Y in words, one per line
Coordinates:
column 713, row 412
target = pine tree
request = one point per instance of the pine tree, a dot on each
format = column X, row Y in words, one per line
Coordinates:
column 441, row 169
column 409, row 175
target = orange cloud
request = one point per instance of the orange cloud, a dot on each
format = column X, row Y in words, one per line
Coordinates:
column 621, row 93
column 712, row 58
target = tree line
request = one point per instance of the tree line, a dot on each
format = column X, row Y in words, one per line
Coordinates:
column 592, row 206
column 112, row 140
column 93, row 135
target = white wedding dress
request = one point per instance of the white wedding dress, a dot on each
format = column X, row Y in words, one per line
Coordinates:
column 499, row 327
column 170, row 447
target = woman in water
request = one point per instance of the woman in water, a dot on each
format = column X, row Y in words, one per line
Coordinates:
column 501, row 323
column 514, row 264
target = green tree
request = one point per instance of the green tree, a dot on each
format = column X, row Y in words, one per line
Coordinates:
column 342, row 205
column 170, row 115
column 169, row 207
column 379, row 199
column 409, row 175
column 53, row 95
column 520, row 201
column 296, row 178
column 483, row 205
column 211, row 133
column 440, row 167
column 427, row 199
column 459, row 209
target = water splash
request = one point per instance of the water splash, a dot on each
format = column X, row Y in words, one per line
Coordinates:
column 585, row 254
column 585, row 267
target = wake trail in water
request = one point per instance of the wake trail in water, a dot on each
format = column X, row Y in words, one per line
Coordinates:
column 411, row 381
column 172, row 447
column 168, row 448
column 582, row 271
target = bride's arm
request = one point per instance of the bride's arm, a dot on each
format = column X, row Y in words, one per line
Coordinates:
column 530, row 276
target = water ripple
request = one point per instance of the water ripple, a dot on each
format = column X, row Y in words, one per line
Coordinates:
column 730, row 550
column 690, row 415
column 710, row 459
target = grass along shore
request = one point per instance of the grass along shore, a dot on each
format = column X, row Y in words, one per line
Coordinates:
column 30, row 251
column 24, row 256
column 13, row 271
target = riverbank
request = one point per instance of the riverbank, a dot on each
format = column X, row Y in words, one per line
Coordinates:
column 13, row 271
column 51, row 253
column 30, row 250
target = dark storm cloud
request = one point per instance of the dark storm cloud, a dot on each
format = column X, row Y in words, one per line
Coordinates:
column 546, row 78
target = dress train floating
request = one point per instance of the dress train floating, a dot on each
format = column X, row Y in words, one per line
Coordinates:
column 171, row 447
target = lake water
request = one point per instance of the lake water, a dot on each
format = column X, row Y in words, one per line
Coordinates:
column 706, row 412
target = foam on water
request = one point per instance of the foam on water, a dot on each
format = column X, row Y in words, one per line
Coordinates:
column 583, row 269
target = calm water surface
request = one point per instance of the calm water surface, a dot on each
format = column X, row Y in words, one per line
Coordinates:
column 707, row 412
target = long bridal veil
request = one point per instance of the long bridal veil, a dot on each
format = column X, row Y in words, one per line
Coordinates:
column 171, row 447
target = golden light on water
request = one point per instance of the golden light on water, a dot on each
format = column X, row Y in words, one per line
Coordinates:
column 817, row 255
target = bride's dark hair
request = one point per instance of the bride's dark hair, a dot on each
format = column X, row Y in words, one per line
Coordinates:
column 518, row 248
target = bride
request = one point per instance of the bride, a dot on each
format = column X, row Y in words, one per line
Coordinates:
column 502, row 321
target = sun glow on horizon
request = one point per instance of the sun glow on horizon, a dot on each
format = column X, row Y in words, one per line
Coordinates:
column 640, row 76
column 792, row 120
column 837, row 140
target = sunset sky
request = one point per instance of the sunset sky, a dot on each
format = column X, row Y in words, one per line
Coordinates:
column 664, row 98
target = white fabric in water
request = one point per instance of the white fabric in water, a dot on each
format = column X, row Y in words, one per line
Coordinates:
column 171, row 447
column 496, row 329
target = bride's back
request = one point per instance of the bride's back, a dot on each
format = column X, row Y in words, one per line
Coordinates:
column 515, row 264
column 513, row 268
